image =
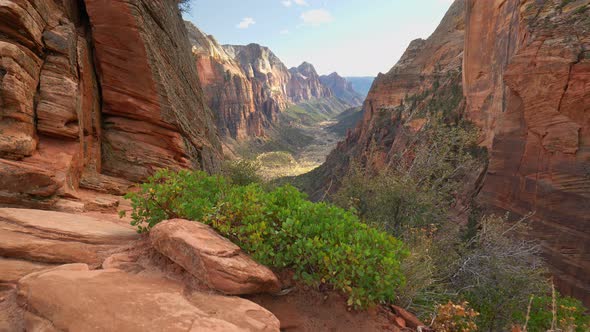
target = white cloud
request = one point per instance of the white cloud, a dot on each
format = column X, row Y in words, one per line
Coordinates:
column 289, row 3
column 246, row 23
column 316, row 17
column 284, row 32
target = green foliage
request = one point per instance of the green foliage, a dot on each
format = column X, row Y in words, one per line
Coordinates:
column 322, row 243
column 169, row 195
column 417, row 190
column 569, row 315
column 242, row 172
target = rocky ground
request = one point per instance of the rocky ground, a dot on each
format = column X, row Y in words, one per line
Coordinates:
column 92, row 272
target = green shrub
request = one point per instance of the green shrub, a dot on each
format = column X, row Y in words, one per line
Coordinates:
column 322, row 243
column 169, row 195
column 242, row 172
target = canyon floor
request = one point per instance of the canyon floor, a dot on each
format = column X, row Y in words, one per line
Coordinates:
column 278, row 164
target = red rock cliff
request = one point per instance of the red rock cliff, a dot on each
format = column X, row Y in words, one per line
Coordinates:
column 227, row 88
column 527, row 83
column 92, row 91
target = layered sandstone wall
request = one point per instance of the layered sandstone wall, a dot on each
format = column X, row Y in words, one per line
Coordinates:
column 527, row 84
column 228, row 90
column 93, row 94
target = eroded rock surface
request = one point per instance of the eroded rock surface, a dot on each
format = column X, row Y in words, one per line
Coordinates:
column 211, row 258
column 527, row 82
column 56, row 237
column 74, row 298
column 93, row 91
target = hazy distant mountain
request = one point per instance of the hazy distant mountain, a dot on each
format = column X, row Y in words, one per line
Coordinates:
column 361, row 85
column 342, row 89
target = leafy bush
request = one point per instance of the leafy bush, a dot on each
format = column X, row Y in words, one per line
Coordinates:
column 569, row 315
column 242, row 172
column 322, row 243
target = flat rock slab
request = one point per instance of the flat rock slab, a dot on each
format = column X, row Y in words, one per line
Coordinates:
column 57, row 237
column 74, row 298
column 212, row 258
column 11, row 270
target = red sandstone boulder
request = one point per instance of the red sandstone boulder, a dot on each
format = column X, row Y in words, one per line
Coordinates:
column 212, row 258
column 74, row 298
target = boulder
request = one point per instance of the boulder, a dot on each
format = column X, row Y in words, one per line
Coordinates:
column 56, row 237
column 211, row 258
column 74, row 298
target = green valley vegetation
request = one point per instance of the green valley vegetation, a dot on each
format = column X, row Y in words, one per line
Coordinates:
column 301, row 139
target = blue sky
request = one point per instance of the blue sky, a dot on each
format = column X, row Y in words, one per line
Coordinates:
column 352, row 37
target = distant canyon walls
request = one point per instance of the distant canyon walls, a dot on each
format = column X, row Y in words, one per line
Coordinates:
column 519, row 70
column 94, row 94
column 248, row 86
column 527, row 84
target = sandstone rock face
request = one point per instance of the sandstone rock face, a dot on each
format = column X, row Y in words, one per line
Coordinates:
column 426, row 79
column 67, row 121
column 269, row 77
column 74, row 298
column 342, row 89
column 211, row 258
column 55, row 237
column 305, row 84
column 155, row 113
column 227, row 88
column 527, row 83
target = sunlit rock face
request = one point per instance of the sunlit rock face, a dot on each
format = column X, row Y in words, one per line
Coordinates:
column 527, row 84
column 227, row 88
column 268, row 75
column 305, row 84
column 93, row 94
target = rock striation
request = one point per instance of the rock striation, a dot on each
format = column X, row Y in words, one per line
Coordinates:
column 527, row 84
column 95, row 95
column 227, row 88
column 342, row 89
